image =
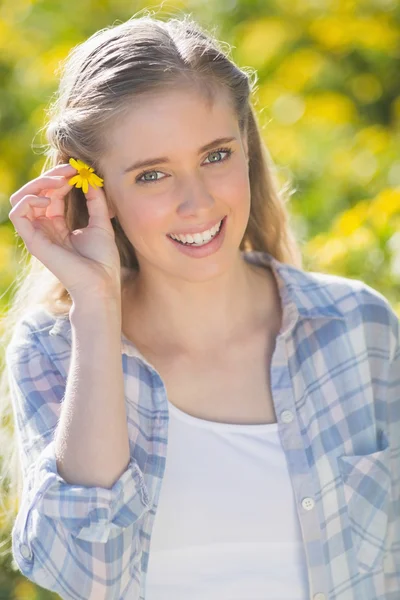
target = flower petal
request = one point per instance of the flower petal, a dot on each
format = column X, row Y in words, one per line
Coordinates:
column 74, row 163
column 82, row 165
column 85, row 186
column 95, row 180
column 74, row 179
column 79, row 183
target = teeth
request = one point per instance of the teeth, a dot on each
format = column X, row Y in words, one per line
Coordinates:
column 197, row 238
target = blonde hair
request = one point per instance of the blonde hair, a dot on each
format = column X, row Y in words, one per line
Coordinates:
column 100, row 78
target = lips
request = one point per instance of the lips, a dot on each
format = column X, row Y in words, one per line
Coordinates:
column 203, row 250
column 198, row 229
column 197, row 238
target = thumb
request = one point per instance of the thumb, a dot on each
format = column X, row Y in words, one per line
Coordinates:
column 99, row 212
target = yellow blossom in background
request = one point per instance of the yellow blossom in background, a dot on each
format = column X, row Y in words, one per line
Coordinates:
column 375, row 31
column 346, row 223
column 7, row 179
column 385, row 205
column 86, row 176
column 350, row 220
column 329, row 107
column 41, row 71
column 396, row 307
column 299, row 68
column 25, row 590
column 366, row 87
column 375, row 138
column 9, row 502
column 340, row 163
column 14, row 42
column 260, row 40
column 343, row 32
column 266, row 94
column 284, row 143
column 362, row 239
column 396, row 109
column 326, row 250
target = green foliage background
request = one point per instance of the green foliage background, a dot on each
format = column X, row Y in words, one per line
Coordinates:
column 328, row 100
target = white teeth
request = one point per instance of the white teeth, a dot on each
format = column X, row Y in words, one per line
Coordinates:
column 215, row 228
column 197, row 239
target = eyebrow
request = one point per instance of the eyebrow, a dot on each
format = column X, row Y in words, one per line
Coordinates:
column 164, row 159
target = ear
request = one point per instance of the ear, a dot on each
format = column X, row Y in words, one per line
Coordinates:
column 111, row 208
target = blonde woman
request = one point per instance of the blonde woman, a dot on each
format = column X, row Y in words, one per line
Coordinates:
column 196, row 416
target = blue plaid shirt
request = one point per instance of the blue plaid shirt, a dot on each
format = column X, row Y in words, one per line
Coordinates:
column 335, row 379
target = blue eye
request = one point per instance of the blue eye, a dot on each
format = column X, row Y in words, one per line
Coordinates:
column 139, row 178
column 227, row 151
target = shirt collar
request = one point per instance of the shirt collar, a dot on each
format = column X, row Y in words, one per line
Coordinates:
column 305, row 291
column 303, row 296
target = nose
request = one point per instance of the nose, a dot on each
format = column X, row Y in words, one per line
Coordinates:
column 195, row 197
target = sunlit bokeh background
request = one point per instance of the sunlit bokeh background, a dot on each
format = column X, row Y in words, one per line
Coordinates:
column 328, row 99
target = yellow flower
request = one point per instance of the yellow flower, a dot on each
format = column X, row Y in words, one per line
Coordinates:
column 86, row 176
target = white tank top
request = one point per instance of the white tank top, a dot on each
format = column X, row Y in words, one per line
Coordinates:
column 226, row 526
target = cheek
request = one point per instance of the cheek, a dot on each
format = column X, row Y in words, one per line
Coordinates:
column 144, row 218
column 237, row 189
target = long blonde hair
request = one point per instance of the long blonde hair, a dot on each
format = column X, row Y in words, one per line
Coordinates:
column 99, row 79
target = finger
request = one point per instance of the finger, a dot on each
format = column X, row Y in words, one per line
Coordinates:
column 63, row 169
column 29, row 207
column 36, row 186
column 97, row 208
column 22, row 216
column 57, row 207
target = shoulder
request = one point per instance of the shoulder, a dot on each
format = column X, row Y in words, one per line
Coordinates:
column 32, row 331
column 356, row 302
column 317, row 294
column 347, row 294
column 351, row 295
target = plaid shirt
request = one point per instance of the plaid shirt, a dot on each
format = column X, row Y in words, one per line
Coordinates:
column 335, row 379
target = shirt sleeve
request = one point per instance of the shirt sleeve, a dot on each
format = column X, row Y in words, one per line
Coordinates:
column 392, row 557
column 68, row 538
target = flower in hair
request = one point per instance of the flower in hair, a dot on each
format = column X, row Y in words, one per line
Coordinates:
column 85, row 176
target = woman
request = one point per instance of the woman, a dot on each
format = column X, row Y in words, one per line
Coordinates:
column 179, row 317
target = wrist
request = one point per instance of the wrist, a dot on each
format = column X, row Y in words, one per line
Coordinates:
column 99, row 294
column 96, row 307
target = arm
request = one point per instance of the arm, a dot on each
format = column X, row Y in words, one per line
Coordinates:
column 92, row 443
column 66, row 532
column 392, row 558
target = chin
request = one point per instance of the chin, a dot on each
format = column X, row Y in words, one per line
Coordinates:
column 207, row 269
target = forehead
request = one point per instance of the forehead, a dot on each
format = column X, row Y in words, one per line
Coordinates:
column 171, row 117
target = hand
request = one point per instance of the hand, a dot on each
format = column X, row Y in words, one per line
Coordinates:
column 86, row 260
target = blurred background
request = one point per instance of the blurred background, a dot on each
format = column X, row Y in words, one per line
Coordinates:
column 328, row 100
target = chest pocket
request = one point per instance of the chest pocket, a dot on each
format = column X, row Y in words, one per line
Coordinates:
column 367, row 487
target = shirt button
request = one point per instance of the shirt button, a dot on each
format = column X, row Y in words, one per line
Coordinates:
column 308, row 504
column 287, row 416
column 26, row 553
column 319, row 596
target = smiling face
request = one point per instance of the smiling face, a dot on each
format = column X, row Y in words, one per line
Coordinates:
column 196, row 174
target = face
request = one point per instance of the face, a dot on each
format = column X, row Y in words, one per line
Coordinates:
column 185, row 188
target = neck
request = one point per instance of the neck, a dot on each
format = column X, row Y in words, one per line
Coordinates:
column 192, row 318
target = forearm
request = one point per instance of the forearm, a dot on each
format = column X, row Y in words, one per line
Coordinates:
column 92, row 443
